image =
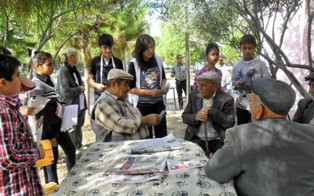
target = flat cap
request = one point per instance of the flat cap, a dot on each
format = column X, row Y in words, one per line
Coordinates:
column 310, row 77
column 119, row 74
column 278, row 96
column 209, row 75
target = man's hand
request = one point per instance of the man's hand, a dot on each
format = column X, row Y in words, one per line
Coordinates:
column 151, row 120
column 41, row 151
column 100, row 87
column 202, row 114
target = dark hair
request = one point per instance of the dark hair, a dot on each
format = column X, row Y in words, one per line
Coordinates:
column 248, row 38
column 211, row 46
column 39, row 57
column 8, row 65
column 141, row 44
column 4, row 50
column 105, row 39
column 178, row 56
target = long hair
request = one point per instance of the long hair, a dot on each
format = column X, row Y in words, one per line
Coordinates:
column 140, row 46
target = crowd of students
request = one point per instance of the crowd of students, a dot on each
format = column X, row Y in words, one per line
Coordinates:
column 130, row 105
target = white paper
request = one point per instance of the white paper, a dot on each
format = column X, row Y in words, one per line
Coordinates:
column 39, row 129
column 82, row 101
column 69, row 117
column 166, row 143
column 39, row 103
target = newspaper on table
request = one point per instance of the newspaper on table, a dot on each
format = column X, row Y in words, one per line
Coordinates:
column 174, row 165
column 136, row 178
column 137, row 164
column 166, row 143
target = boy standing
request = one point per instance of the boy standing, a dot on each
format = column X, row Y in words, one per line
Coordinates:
column 101, row 65
column 18, row 152
column 245, row 70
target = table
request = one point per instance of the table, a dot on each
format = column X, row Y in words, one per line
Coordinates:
column 87, row 178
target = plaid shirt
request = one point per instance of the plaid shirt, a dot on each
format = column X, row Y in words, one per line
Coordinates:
column 18, row 153
column 107, row 114
column 179, row 72
column 206, row 69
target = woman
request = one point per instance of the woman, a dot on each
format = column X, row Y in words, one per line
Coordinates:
column 71, row 88
column 149, row 84
column 43, row 66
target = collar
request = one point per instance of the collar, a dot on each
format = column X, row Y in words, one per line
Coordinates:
column 43, row 78
column 69, row 67
column 112, row 95
column 13, row 102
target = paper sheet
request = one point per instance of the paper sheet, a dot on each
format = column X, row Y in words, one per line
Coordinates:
column 69, row 117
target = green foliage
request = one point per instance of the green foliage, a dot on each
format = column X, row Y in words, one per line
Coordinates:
column 172, row 43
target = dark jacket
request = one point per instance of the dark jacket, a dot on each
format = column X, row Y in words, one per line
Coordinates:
column 221, row 115
column 305, row 111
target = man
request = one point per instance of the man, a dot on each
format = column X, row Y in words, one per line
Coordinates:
column 208, row 114
column 268, row 156
column 178, row 71
column 114, row 118
column 101, row 65
column 305, row 111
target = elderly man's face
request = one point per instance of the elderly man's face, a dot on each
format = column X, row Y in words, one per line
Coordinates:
column 122, row 89
column 207, row 88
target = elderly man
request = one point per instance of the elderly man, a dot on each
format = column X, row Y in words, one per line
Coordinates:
column 305, row 111
column 208, row 114
column 269, row 156
column 113, row 118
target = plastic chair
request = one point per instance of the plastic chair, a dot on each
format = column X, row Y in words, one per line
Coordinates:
column 47, row 160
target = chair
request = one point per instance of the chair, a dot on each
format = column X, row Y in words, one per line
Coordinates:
column 47, row 160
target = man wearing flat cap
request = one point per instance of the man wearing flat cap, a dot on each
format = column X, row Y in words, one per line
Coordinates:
column 269, row 156
column 209, row 112
column 305, row 111
column 113, row 117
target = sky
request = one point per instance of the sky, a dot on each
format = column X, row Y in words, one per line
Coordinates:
column 154, row 25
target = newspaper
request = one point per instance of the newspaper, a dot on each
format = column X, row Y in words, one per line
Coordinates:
column 136, row 178
column 182, row 165
column 166, row 143
column 137, row 164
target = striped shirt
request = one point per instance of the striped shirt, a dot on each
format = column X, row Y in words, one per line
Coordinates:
column 18, row 152
column 206, row 69
column 179, row 72
column 108, row 114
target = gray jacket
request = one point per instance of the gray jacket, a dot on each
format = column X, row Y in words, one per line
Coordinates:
column 68, row 90
column 268, row 157
column 222, row 113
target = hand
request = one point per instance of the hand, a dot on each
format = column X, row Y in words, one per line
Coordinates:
column 27, row 110
column 155, row 92
column 82, row 88
column 100, row 87
column 41, row 151
column 202, row 114
column 153, row 119
column 54, row 142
